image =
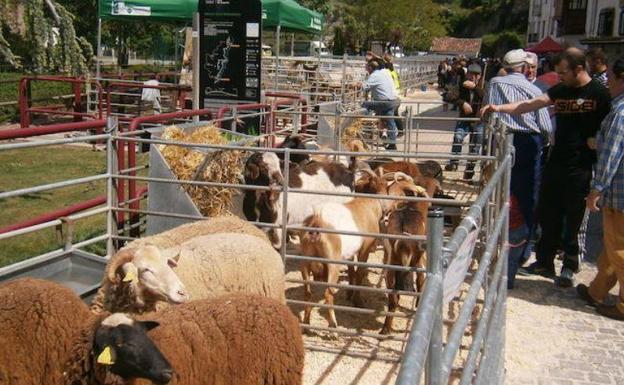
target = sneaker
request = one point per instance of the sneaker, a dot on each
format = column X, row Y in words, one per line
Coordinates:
column 610, row 312
column 468, row 175
column 536, row 268
column 450, row 167
column 384, row 135
column 566, row 278
column 391, row 147
column 583, row 293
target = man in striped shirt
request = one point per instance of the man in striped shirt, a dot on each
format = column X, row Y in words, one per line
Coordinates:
column 531, row 132
column 607, row 188
column 581, row 103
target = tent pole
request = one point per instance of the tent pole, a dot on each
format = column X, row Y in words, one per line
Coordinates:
column 195, row 64
column 99, row 49
column 292, row 44
column 277, row 53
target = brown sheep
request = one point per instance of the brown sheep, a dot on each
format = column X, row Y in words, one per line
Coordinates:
column 39, row 319
column 234, row 339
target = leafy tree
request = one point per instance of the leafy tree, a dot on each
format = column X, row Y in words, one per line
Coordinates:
column 39, row 35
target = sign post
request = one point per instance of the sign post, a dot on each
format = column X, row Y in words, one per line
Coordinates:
column 230, row 41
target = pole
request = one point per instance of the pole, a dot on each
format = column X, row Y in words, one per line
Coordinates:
column 195, row 64
column 292, row 44
column 435, row 266
column 99, row 50
column 277, row 53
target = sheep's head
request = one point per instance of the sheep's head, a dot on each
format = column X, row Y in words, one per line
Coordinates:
column 123, row 346
column 148, row 272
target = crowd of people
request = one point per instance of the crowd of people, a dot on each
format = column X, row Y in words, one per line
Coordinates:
column 567, row 117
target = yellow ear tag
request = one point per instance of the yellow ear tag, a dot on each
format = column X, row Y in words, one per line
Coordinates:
column 130, row 276
column 106, row 357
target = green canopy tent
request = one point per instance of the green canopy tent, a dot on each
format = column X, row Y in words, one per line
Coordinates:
column 279, row 14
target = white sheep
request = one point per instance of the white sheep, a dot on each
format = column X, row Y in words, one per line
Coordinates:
column 205, row 266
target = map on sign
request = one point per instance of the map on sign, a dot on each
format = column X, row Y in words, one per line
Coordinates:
column 456, row 272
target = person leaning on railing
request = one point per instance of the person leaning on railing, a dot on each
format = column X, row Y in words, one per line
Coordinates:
column 607, row 190
column 581, row 104
column 384, row 98
column 531, row 129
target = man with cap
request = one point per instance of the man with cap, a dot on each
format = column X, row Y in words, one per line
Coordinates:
column 581, row 103
column 531, row 132
column 468, row 100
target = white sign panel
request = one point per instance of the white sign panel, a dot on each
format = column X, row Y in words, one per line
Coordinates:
column 121, row 9
column 456, row 272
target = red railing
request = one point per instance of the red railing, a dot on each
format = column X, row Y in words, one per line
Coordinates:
column 300, row 98
column 77, row 82
column 180, row 89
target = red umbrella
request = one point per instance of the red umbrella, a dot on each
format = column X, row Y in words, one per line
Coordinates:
column 545, row 46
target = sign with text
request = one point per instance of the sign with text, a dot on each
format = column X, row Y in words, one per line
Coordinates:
column 230, row 36
column 456, row 272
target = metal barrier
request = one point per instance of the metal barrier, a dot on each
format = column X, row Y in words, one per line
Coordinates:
column 78, row 113
column 419, row 342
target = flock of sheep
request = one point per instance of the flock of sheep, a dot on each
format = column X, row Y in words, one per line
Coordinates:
column 204, row 303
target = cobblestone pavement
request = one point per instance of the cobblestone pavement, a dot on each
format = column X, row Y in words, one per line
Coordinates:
column 553, row 338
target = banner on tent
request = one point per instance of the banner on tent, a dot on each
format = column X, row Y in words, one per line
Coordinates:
column 230, row 44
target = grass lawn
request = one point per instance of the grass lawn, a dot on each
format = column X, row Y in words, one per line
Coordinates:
column 36, row 166
column 9, row 91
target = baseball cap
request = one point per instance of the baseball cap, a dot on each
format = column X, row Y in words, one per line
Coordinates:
column 474, row 68
column 514, row 58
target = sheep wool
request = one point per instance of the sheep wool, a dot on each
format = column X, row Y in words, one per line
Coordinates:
column 40, row 320
column 183, row 233
column 235, row 339
column 223, row 263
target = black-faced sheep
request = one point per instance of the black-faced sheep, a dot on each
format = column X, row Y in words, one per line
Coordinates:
column 202, row 267
column 229, row 340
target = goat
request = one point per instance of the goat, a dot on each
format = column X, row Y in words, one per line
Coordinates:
column 266, row 206
column 405, row 218
column 358, row 215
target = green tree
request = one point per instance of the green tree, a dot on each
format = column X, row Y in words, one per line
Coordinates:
column 39, row 35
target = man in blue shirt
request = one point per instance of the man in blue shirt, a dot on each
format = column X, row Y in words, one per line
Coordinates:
column 607, row 188
column 531, row 131
column 384, row 98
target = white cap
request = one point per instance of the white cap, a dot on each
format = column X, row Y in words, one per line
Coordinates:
column 514, row 58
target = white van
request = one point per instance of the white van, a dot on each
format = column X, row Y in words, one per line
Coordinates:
column 310, row 48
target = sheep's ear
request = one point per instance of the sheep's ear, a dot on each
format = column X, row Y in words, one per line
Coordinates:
column 107, row 356
column 131, row 272
column 172, row 255
column 147, row 325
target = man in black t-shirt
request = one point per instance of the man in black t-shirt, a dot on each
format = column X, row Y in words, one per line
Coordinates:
column 580, row 104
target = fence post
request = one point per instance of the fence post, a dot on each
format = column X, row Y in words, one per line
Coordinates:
column 24, row 96
column 343, row 80
column 77, row 100
column 284, row 224
column 436, row 264
column 112, row 128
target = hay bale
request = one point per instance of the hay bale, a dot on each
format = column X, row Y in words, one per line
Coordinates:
column 223, row 166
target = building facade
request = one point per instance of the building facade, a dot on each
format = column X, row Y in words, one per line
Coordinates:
column 579, row 23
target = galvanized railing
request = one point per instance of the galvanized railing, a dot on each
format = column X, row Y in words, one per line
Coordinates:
column 427, row 351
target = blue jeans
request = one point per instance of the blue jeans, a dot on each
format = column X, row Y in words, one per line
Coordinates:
column 385, row 108
column 476, row 140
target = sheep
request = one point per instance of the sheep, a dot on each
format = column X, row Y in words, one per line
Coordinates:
column 229, row 340
column 180, row 234
column 50, row 337
column 358, row 215
column 39, row 321
column 205, row 266
column 406, row 218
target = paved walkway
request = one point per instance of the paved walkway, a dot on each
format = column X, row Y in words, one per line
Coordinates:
column 553, row 338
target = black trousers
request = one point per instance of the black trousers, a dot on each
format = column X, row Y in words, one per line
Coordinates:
column 561, row 212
